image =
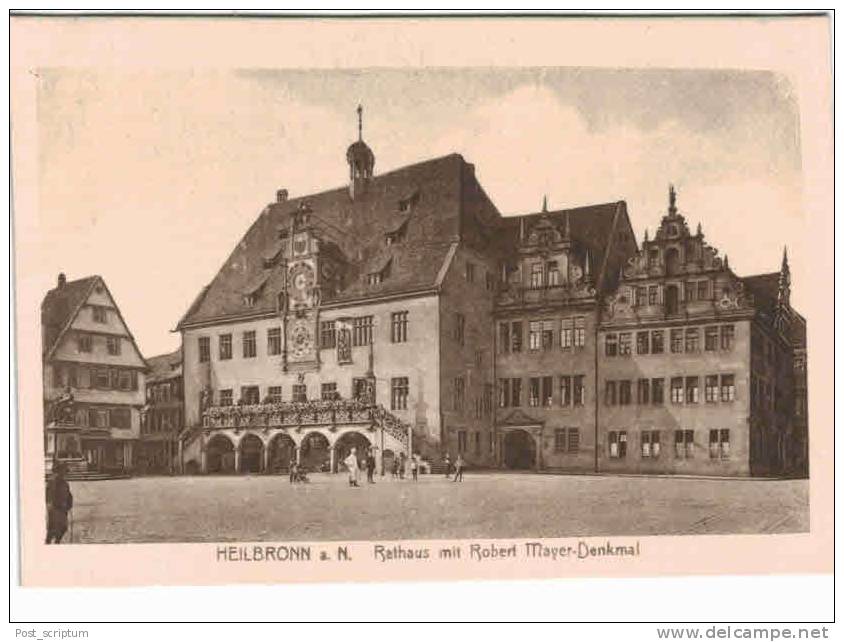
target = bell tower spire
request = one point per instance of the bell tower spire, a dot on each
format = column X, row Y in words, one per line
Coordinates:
column 672, row 201
column 361, row 161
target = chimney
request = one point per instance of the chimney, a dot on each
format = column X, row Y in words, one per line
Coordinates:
column 281, row 196
column 62, row 280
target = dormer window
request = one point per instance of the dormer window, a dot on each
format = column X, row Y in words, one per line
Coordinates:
column 252, row 291
column 378, row 276
column 249, row 300
column 653, row 257
column 396, row 235
column 406, row 204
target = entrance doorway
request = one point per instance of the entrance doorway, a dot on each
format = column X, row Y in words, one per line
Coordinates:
column 282, row 452
column 316, row 453
column 219, row 455
column 344, row 447
column 251, row 454
column 519, row 450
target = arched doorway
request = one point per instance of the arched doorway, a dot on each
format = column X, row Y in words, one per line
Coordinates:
column 251, row 454
column 219, row 455
column 282, row 452
column 519, row 450
column 344, row 446
column 316, row 453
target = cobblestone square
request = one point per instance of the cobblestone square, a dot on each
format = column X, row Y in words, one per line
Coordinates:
column 485, row 505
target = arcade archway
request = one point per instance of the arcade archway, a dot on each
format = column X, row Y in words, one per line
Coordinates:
column 519, row 450
column 251, row 454
column 219, row 454
column 316, row 453
column 282, row 450
column 344, row 446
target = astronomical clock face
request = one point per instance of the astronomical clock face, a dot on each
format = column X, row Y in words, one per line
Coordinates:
column 301, row 340
column 300, row 281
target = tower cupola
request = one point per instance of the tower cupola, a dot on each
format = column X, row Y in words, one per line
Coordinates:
column 361, row 161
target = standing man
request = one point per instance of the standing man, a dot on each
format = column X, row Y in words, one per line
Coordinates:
column 447, row 466
column 414, row 467
column 370, row 466
column 59, row 503
column 459, row 465
column 352, row 465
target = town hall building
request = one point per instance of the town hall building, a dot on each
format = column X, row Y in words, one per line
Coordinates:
column 403, row 314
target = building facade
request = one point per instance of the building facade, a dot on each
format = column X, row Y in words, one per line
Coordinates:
column 161, row 417
column 93, row 377
column 402, row 313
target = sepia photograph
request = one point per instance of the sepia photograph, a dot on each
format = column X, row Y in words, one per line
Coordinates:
column 529, row 311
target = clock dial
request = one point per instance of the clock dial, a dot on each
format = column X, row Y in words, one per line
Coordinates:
column 301, row 280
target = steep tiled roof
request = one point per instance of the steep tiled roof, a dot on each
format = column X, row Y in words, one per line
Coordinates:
column 764, row 288
column 164, row 366
column 356, row 230
column 59, row 306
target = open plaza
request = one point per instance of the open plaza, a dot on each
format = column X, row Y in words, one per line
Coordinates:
column 485, row 505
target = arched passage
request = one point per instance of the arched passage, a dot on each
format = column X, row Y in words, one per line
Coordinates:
column 282, row 451
column 519, row 450
column 219, row 453
column 316, row 452
column 344, row 446
column 251, row 454
column 388, row 457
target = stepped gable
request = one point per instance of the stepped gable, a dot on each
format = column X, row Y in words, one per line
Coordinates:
column 591, row 227
column 59, row 308
column 424, row 199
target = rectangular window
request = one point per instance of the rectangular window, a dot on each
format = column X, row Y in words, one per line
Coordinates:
column 643, row 391
column 624, row 392
column 641, row 296
column 84, row 343
column 547, row 335
column 516, row 392
column 459, row 397
column 657, row 342
column 226, row 397
column 327, row 335
column 516, row 337
column 490, row 282
column 552, row 269
column 113, row 345
column 204, row 349
column 643, row 342
column 677, row 390
column 534, row 330
column 719, row 444
column 560, row 440
column 566, row 334
column 470, row 272
column 653, row 294
column 676, row 341
column 399, row 389
column 618, row 444
column 565, row 390
column 692, row 340
column 711, row 388
column 362, row 331
column 102, row 379
column 398, row 327
column 125, row 379
column 461, row 441
column 728, row 387
column 658, row 391
column 547, row 391
column 579, row 390
column 328, row 391
column 611, row 345
column 573, row 445
column 300, row 393
column 625, row 344
column 710, row 338
column 459, row 328
column 650, row 444
column 250, row 395
column 691, row 290
column 249, row 344
column 100, row 314
column 120, row 418
column 225, row 347
column 534, row 392
column 692, row 389
column 609, row 393
column 579, row 332
column 273, row 341
column 503, row 393
column 504, row 337
column 477, row 442
column 684, row 443
column 536, row 276
column 702, row 290
column 273, row 394
column 728, row 335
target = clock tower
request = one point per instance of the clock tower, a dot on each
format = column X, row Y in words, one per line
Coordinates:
column 299, row 309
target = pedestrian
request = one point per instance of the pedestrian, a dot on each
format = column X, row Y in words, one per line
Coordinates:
column 352, row 465
column 459, row 465
column 414, row 467
column 402, row 465
column 370, row 467
column 59, row 503
column 293, row 470
column 447, row 466
column 395, row 470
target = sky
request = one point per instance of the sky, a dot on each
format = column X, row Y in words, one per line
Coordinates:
column 150, row 179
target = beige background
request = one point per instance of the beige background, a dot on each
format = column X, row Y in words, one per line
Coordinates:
column 797, row 48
